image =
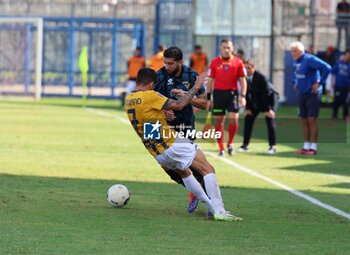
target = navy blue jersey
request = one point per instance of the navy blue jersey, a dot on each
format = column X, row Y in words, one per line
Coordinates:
column 185, row 82
column 308, row 70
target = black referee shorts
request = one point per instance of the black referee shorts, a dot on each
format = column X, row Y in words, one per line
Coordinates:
column 225, row 100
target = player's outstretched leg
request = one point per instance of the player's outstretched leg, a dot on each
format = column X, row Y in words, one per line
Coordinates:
column 193, row 203
column 203, row 166
column 193, row 186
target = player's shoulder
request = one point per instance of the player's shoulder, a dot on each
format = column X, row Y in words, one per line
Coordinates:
column 260, row 75
column 161, row 75
column 135, row 97
column 188, row 73
column 152, row 94
column 308, row 56
column 185, row 69
column 311, row 57
column 161, row 72
column 217, row 59
column 149, row 96
column 236, row 60
column 189, row 70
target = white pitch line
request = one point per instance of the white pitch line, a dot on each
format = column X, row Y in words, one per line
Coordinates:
column 282, row 186
column 106, row 114
column 248, row 171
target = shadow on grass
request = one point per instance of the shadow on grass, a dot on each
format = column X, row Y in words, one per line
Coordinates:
column 19, row 189
column 342, row 185
column 71, row 216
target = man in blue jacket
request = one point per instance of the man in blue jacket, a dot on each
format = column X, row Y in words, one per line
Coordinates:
column 340, row 81
column 310, row 74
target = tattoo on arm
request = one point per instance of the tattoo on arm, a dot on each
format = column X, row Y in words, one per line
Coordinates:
column 182, row 101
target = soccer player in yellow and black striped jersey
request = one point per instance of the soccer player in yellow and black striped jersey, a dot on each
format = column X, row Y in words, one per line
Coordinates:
column 145, row 107
column 145, row 110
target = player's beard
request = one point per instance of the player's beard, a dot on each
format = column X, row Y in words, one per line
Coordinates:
column 176, row 70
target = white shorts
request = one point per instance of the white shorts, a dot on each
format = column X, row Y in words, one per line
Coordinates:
column 179, row 155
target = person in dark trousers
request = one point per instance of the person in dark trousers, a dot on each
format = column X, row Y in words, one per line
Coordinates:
column 342, row 22
column 260, row 98
column 340, row 81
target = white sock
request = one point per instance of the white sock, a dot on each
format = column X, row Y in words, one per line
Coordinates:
column 193, row 186
column 307, row 145
column 314, row 146
column 214, row 193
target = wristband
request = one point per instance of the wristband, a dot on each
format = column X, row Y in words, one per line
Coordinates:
column 208, row 96
column 242, row 95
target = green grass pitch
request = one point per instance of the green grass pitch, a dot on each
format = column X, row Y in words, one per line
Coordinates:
column 57, row 161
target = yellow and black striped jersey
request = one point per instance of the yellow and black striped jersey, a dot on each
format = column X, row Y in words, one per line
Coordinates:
column 144, row 109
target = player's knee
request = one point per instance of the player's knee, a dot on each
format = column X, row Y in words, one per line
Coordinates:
column 207, row 169
column 219, row 120
column 183, row 173
column 233, row 118
column 174, row 176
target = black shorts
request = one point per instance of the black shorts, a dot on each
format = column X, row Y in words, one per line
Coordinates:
column 225, row 100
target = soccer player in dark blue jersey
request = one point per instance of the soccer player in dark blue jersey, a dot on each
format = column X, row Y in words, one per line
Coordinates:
column 174, row 80
column 310, row 74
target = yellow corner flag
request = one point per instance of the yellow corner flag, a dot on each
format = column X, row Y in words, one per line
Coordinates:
column 207, row 124
column 84, row 68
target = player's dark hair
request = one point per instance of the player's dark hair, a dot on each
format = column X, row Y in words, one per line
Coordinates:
column 197, row 47
column 347, row 51
column 146, row 76
column 173, row 52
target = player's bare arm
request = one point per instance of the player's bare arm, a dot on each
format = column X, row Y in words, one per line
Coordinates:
column 199, row 101
column 243, row 82
column 209, row 86
column 180, row 103
column 315, row 87
column 333, row 81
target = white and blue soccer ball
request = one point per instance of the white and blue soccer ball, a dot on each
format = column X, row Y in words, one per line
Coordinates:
column 118, row 195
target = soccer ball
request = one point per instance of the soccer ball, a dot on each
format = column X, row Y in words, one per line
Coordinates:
column 118, row 195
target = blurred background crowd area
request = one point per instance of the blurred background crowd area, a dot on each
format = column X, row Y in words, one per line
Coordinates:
column 262, row 29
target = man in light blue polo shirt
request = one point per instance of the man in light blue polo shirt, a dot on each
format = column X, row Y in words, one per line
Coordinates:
column 310, row 74
column 340, row 81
